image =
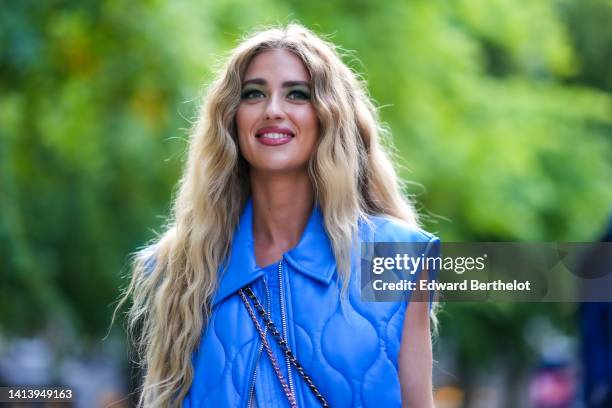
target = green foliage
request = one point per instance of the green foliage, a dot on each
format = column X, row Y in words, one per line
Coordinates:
column 84, row 115
column 501, row 109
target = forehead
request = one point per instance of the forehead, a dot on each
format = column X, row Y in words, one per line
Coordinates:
column 277, row 65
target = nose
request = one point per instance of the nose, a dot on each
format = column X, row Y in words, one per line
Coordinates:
column 274, row 107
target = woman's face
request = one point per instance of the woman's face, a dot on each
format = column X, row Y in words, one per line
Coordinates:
column 276, row 122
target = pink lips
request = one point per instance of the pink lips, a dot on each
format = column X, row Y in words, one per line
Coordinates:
column 274, row 135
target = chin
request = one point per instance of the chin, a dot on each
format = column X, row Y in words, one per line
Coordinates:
column 280, row 168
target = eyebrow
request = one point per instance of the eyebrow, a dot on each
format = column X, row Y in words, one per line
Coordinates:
column 286, row 84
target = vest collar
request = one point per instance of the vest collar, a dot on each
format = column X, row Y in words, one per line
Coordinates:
column 313, row 255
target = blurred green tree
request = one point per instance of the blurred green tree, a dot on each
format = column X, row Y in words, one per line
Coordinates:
column 501, row 109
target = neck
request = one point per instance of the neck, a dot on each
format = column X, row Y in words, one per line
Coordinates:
column 282, row 205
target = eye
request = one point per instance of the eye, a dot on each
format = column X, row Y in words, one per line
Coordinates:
column 300, row 95
column 252, row 94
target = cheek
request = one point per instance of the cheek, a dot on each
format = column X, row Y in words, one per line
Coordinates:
column 242, row 129
column 242, row 119
column 314, row 123
column 313, row 129
column 309, row 122
column 244, row 123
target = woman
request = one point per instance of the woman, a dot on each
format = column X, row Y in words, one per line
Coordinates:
column 251, row 296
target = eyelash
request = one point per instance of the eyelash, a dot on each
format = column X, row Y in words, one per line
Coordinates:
column 249, row 93
column 303, row 95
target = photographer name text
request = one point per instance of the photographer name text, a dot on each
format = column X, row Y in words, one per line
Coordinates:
column 464, row 285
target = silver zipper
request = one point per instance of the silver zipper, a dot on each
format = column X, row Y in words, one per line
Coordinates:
column 254, row 376
column 284, row 323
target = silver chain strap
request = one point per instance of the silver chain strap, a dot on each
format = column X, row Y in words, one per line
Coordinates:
column 262, row 335
column 282, row 343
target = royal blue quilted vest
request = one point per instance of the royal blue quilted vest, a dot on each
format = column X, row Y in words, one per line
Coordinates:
column 349, row 349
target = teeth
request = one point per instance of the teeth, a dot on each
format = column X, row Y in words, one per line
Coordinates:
column 274, row 135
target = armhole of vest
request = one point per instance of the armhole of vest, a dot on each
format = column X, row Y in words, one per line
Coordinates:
column 432, row 251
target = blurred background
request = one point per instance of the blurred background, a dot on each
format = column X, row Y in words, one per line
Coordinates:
column 501, row 112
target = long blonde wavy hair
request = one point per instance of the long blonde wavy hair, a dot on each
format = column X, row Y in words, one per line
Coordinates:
column 174, row 280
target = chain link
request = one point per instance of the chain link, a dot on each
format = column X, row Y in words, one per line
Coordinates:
column 262, row 335
column 281, row 342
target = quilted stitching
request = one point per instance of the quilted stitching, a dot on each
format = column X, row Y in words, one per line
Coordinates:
column 306, row 347
column 343, row 351
column 350, row 349
column 394, row 333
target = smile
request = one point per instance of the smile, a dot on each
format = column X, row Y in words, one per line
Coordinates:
column 275, row 135
column 274, row 138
